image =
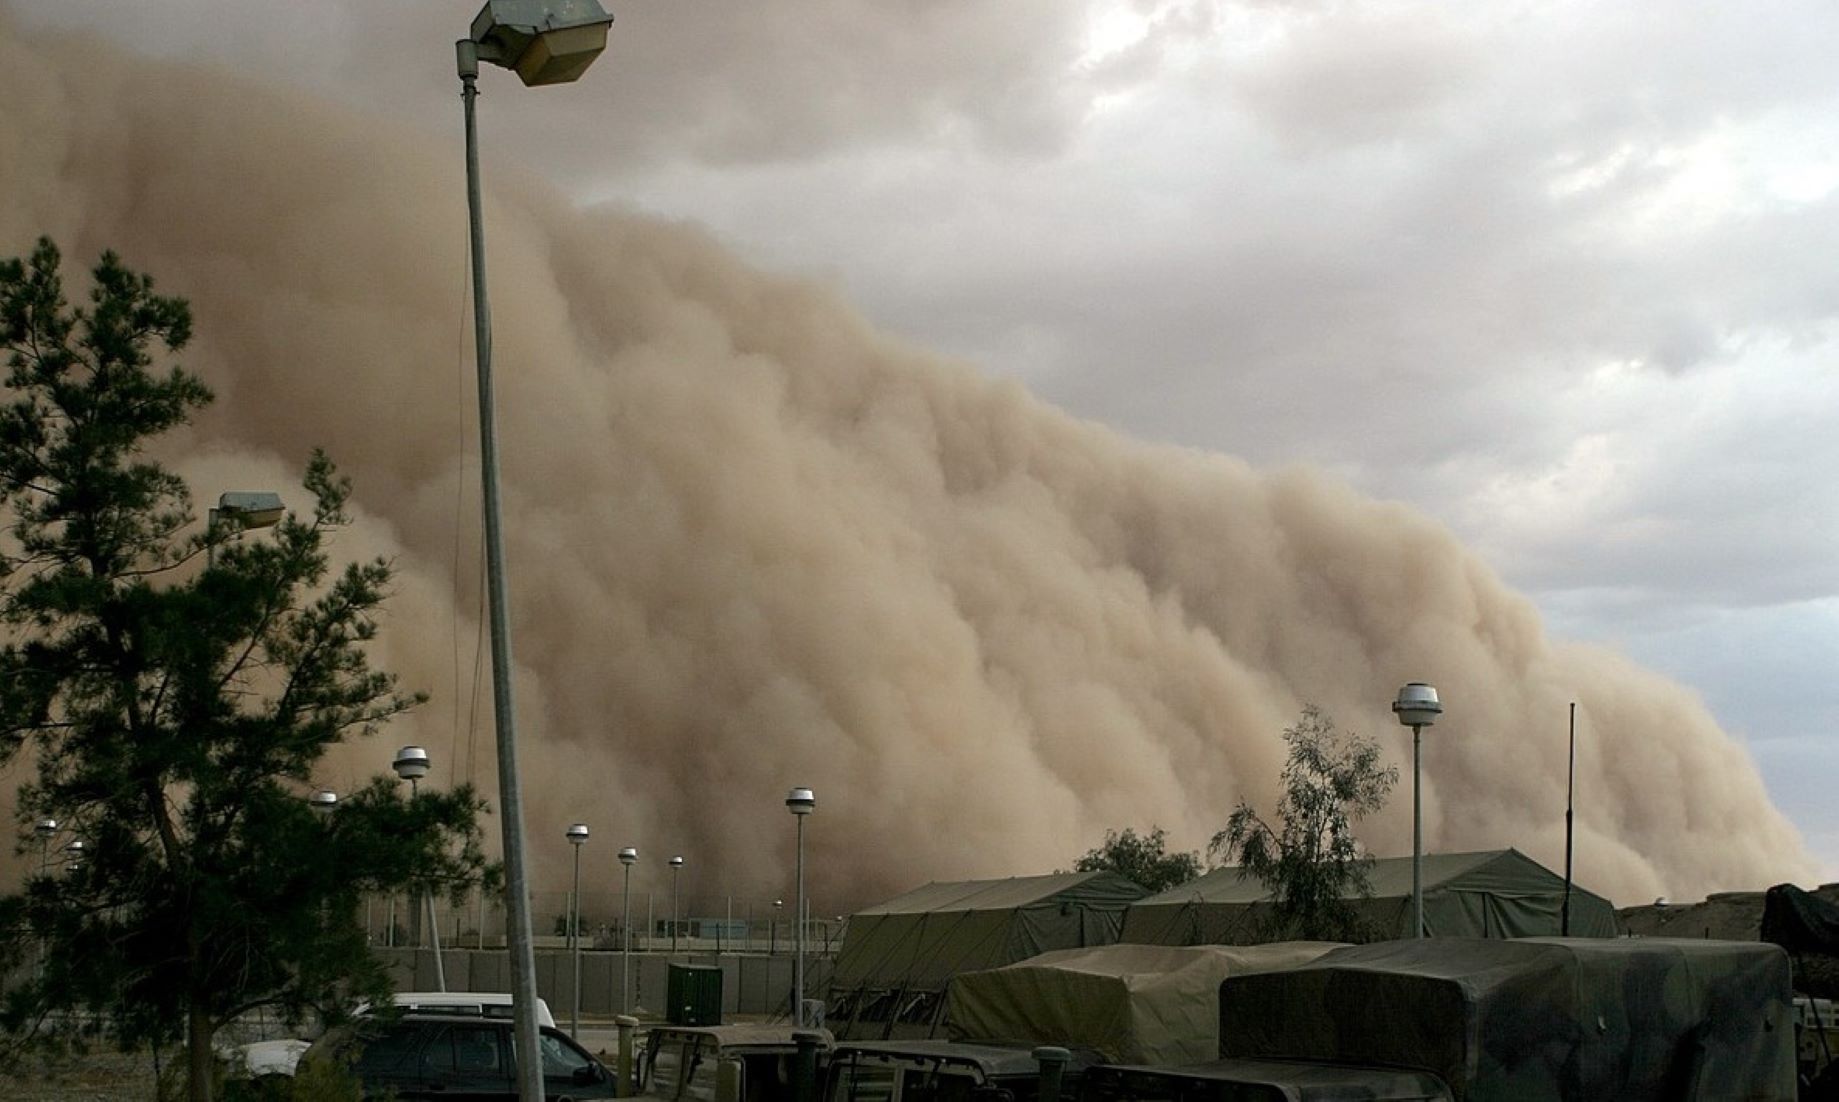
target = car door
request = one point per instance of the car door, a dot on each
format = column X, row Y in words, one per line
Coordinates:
column 465, row 1062
column 568, row 1070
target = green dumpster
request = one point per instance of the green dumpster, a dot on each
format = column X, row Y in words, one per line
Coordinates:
column 695, row 992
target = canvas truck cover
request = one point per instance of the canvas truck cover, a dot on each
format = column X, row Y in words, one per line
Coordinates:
column 1136, row 1004
column 1538, row 1018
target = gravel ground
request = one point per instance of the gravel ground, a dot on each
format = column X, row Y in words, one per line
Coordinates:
column 93, row 1077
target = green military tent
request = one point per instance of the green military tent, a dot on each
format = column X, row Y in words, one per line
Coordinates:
column 897, row 957
column 1495, row 893
column 1134, row 1004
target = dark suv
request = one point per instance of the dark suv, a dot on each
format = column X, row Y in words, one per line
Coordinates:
column 430, row 1056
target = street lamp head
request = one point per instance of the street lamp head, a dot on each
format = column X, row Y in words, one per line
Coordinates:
column 411, row 763
column 778, row 903
column 259, row 509
column 676, row 863
column 45, row 828
column 577, row 834
column 801, row 801
column 76, row 846
column 1417, row 705
column 323, row 801
column 544, row 41
column 628, row 856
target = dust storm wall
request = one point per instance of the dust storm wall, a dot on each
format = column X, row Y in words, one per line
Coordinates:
column 754, row 544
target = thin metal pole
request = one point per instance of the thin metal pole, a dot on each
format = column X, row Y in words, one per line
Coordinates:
column 674, row 912
column 434, row 934
column 434, row 925
column 519, row 945
column 574, row 941
column 1570, row 793
column 1417, row 837
column 798, row 967
column 625, row 949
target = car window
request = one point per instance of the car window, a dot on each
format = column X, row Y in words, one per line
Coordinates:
column 561, row 1058
column 467, row 1051
column 665, row 1073
column 386, row 1050
column 863, row 1083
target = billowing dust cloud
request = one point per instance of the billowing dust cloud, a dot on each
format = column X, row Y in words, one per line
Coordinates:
column 753, row 544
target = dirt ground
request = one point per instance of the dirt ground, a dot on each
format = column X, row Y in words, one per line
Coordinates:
column 94, row 1077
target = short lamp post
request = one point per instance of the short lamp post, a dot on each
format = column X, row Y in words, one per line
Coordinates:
column 676, row 866
column 628, row 857
column 544, row 42
column 801, row 802
column 1417, row 707
column 412, row 765
column 577, row 837
column 46, row 829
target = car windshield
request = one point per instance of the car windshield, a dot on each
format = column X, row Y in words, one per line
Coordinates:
column 681, row 1068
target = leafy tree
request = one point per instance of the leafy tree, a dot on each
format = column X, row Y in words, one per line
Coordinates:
column 171, row 691
column 1143, row 858
column 1310, row 861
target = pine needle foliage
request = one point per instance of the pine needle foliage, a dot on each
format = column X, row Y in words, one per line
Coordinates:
column 166, row 691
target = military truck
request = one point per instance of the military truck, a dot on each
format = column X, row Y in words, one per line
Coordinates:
column 1483, row 1020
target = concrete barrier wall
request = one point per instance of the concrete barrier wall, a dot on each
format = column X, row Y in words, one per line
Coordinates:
column 752, row 984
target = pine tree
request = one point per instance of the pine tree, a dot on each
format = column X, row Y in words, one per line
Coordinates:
column 170, row 690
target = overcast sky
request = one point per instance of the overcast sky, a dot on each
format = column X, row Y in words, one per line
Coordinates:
column 1561, row 274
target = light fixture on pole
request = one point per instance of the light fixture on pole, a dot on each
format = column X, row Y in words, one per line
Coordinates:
column 627, row 857
column 412, row 765
column 801, row 802
column 577, row 837
column 1417, row 707
column 323, row 802
column 545, row 42
column 246, row 509
column 676, row 866
column 46, row 829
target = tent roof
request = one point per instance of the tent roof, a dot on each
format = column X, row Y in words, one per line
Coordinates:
column 1389, row 876
column 1010, row 893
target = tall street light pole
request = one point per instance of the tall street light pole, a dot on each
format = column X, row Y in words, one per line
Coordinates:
column 676, row 866
column 577, row 837
column 411, row 765
column 801, row 802
column 1417, row 707
column 545, row 42
column 627, row 857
